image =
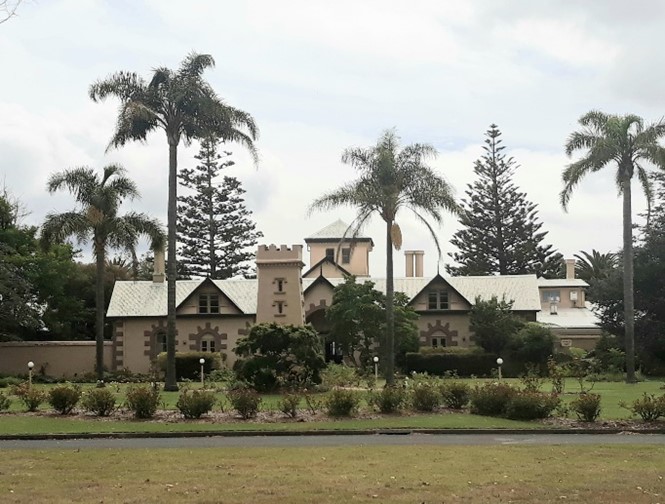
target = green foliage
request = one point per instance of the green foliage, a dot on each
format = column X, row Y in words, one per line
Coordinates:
column 425, row 395
column 339, row 375
column 274, row 354
column 195, row 403
column 500, row 231
column 5, row 402
column 464, row 364
column 533, row 345
column 288, row 404
column 245, row 401
column 187, row 364
column 99, row 401
column 9, row 381
column 586, row 406
column 142, row 400
column 390, row 399
column 342, row 403
column 491, row 399
column 531, row 405
column 531, row 380
column 31, row 397
column 64, row 398
column 215, row 228
column 557, row 375
column 493, row 324
column 455, row 394
column 648, row 407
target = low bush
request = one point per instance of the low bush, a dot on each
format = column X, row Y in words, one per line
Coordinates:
column 195, row 404
column 464, row 364
column 289, row 403
column 340, row 402
column 339, row 375
column 529, row 405
column 187, row 365
column 64, row 398
column 425, row 396
column 390, row 399
column 5, row 402
column 245, row 401
column 9, row 381
column 142, row 400
column 491, row 399
column 32, row 397
column 648, row 407
column 99, row 401
column 455, row 394
column 586, row 406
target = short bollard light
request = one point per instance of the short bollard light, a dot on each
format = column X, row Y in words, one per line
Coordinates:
column 30, row 366
column 376, row 367
column 499, row 362
column 202, row 362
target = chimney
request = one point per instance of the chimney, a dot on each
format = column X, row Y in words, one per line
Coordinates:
column 419, row 262
column 408, row 254
column 158, row 270
column 570, row 269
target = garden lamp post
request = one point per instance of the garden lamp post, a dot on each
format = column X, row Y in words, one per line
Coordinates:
column 499, row 361
column 30, row 366
column 202, row 362
column 376, row 367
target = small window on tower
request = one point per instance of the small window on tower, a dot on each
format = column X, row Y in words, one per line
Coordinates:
column 280, row 285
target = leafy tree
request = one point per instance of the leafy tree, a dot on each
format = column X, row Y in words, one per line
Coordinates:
column 494, row 324
column 594, row 265
column 533, row 344
column 215, row 228
column 624, row 141
column 501, row 233
column 391, row 180
column 96, row 220
column 185, row 106
column 274, row 354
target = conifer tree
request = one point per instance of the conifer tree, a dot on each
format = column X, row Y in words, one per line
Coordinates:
column 501, row 233
column 215, row 229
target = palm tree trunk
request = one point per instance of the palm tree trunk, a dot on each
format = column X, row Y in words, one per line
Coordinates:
column 99, row 313
column 390, row 310
column 628, row 297
column 171, row 383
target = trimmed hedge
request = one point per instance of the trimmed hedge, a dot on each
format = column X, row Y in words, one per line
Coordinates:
column 187, row 364
column 465, row 364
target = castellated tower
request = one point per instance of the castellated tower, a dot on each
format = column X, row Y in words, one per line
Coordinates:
column 280, row 295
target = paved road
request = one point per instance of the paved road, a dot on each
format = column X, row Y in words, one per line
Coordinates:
column 365, row 440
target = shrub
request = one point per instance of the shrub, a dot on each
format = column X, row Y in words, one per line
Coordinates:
column 529, row 405
column 31, row 397
column 100, row 401
column 533, row 344
column 491, row 399
column 339, row 375
column 187, row 365
column 196, row 403
column 9, row 381
column 245, row 401
column 64, row 398
column 454, row 394
column 342, row 402
column 648, row 407
column 143, row 401
column 5, row 402
column 425, row 396
column 586, row 406
column 389, row 400
column 288, row 404
column 465, row 364
column 556, row 372
column 531, row 380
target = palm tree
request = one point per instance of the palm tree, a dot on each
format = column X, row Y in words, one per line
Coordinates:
column 97, row 220
column 185, row 106
column 595, row 265
column 624, row 141
column 391, row 180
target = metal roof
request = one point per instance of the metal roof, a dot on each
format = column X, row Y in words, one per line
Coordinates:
column 335, row 232
column 570, row 318
column 561, row 282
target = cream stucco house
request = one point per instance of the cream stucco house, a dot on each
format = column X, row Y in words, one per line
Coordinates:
column 213, row 314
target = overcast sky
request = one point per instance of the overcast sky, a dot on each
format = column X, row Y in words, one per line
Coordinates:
column 321, row 76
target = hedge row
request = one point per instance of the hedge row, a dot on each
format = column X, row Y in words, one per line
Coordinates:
column 464, row 364
column 187, row 365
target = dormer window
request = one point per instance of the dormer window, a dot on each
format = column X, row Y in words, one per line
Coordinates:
column 346, row 256
column 208, row 303
column 438, row 299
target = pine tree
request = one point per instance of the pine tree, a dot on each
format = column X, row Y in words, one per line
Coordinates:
column 501, row 233
column 215, row 229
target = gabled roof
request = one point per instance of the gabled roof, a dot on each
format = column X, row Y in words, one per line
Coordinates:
column 521, row 289
column 561, row 282
column 323, row 261
column 336, row 232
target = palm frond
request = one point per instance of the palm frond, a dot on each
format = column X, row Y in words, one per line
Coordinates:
column 123, row 85
column 59, row 227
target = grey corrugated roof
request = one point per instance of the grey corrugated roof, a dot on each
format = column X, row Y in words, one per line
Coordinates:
column 570, row 318
column 335, row 231
column 241, row 292
column 562, row 282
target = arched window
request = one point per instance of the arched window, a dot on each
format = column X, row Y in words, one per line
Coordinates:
column 160, row 342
